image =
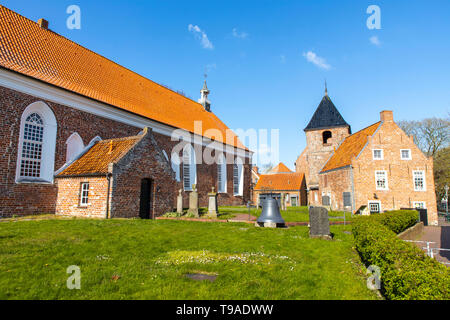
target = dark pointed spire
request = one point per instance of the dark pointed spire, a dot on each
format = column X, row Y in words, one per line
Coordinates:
column 326, row 115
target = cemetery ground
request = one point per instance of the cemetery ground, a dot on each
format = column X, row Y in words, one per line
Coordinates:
column 150, row 259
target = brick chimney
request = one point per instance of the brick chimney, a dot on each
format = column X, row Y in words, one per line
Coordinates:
column 43, row 23
column 387, row 116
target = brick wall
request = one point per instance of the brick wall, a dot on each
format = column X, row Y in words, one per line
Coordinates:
column 318, row 153
column 144, row 161
column 335, row 183
column 68, row 200
column 32, row 198
column 400, row 193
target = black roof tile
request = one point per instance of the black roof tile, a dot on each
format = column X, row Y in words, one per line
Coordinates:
column 326, row 116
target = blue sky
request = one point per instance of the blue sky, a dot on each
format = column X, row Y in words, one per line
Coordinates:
column 256, row 53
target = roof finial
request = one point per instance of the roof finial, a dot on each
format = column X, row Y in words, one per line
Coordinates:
column 326, row 89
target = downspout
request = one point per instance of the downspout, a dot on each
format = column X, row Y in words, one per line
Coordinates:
column 108, row 177
column 353, row 189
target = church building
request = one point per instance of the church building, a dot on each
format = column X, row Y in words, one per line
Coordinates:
column 376, row 169
column 82, row 135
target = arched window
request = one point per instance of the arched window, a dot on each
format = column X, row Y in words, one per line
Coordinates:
column 189, row 167
column 238, row 177
column 74, row 146
column 37, row 141
column 326, row 135
column 221, row 174
column 175, row 161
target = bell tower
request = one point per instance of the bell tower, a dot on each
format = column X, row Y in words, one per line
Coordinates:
column 204, row 92
column 326, row 130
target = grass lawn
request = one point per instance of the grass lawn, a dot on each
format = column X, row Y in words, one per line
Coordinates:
column 144, row 259
column 292, row 214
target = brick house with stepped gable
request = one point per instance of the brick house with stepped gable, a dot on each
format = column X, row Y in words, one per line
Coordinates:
column 58, row 100
column 281, row 180
column 376, row 169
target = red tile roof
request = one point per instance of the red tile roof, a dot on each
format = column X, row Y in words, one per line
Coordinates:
column 97, row 159
column 349, row 148
column 45, row 55
column 280, row 182
column 281, row 167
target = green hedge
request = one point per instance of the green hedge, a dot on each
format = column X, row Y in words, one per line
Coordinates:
column 406, row 272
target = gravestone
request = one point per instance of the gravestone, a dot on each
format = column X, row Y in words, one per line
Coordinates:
column 319, row 225
column 180, row 202
column 283, row 201
column 212, row 204
column 193, row 201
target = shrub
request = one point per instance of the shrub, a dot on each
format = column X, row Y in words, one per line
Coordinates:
column 172, row 215
column 406, row 272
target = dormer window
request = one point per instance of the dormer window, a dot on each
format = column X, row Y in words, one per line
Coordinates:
column 377, row 154
column 326, row 135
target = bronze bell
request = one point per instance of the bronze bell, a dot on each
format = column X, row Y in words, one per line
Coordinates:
column 270, row 213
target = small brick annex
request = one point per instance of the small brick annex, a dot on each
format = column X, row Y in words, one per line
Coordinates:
column 115, row 188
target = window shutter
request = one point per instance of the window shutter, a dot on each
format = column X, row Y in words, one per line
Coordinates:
column 235, row 179
column 219, row 177
column 186, row 170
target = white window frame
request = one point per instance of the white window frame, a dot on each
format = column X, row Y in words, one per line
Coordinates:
column 409, row 153
column 189, row 165
column 84, row 194
column 418, row 202
column 424, row 180
column 386, row 180
column 375, row 202
column 74, row 146
column 221, row 174
column 47, row 165
column 238, row 179
column 373, row 154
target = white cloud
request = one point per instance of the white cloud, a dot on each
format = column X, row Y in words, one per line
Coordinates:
column 375, row 41
column 239, row 35
column 210, row 67
column 315, row 59
column 201, row 35
column 282, row 58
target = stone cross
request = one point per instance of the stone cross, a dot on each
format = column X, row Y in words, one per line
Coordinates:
column 319, row 225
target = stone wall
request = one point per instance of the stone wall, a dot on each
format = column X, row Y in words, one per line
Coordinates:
column 317, row 155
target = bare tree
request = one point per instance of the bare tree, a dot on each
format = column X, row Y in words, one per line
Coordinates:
column 430, row 135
